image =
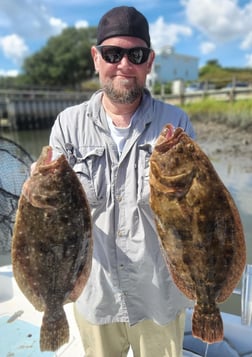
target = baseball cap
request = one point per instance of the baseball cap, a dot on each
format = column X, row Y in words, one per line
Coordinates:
column 123, row 21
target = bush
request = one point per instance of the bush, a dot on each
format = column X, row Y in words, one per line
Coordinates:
column 234, row 114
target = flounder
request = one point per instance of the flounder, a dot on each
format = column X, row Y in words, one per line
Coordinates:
column 52, row 244
column 199, row 227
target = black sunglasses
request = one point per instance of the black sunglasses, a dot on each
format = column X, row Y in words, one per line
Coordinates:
column 114, row 54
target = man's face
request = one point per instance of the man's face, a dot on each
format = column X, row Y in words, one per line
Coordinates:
column 123, row 81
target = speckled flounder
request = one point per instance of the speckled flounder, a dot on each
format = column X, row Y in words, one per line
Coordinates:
column 199, row 228
column 52, row 244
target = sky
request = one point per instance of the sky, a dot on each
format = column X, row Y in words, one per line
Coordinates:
column 207, row 29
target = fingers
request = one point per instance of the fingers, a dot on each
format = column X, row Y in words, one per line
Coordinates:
column 32, row 168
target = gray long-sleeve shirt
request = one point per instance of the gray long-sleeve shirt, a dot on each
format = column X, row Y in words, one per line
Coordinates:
column 129, row 280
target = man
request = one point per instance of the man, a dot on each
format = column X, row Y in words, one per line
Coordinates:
column 129, row 299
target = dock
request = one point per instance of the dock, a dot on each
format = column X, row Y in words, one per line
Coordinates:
column 35, row 109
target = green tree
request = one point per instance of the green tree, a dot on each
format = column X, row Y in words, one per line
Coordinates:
column 65, row 61
column 213, row 72
column 212, row 66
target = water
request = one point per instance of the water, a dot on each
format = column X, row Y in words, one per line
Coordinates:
column 238, row 182
column 32, row 141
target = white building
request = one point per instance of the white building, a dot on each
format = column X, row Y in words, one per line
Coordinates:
column 170, row 66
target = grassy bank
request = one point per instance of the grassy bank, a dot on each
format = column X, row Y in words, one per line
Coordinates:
column 233, row 114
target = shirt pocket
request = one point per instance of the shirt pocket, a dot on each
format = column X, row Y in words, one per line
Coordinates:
column 143, row 194
column 90, row 169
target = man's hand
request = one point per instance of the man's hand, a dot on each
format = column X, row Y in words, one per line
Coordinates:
column 32, row 168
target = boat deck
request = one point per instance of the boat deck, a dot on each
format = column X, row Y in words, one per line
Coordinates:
column 20, row 329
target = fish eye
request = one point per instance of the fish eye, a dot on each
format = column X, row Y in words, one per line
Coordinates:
column 190, row 147
column 201, row 177
column 179, row 148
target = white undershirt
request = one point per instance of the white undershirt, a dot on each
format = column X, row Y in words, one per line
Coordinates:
column 119, row 135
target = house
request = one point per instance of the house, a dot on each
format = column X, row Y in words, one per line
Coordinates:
column 170, row 66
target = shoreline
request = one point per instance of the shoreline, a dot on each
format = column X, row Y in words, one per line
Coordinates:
column 224, row 143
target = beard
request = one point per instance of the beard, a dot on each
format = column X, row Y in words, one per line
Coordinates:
column 123, row 95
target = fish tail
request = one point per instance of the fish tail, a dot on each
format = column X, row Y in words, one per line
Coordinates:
column 54, row 331
column 207, row 323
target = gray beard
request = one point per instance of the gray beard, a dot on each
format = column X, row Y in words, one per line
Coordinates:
column 126, row 96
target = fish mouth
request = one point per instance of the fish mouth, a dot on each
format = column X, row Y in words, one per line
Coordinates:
column 48, row 157
column 169, row 138
column 45, row 157
column 45, row 161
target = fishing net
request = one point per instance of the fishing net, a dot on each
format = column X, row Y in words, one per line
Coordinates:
column 15, row 165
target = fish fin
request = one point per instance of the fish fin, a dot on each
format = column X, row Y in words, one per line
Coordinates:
column 25, row 278
column 54, row 331
column 79, row 286
column 83, row 273
column 207, row 326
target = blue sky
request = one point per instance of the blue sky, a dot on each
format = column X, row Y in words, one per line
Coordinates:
column 207, row 29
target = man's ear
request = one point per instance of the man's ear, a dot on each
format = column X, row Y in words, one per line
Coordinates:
column 95, row 56
column 150, row 61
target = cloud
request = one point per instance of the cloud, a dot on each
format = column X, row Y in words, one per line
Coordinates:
column 221, row 22
column 207, row 47
column 248, row 60
column 163, row 34
column 57, row 25
column 247, row 42
column 81, row 24
column 9, row 73
column 29, row 19
column 14, row 47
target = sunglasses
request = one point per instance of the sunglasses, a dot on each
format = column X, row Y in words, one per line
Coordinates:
column 114, row 54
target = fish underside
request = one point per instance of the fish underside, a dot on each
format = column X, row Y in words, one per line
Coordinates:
column 199, row 227
column 52, row 244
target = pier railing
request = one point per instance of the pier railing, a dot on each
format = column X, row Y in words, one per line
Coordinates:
column 225, row 94
column 37, row 109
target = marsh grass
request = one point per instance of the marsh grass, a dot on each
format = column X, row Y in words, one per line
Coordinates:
column 233, row 114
